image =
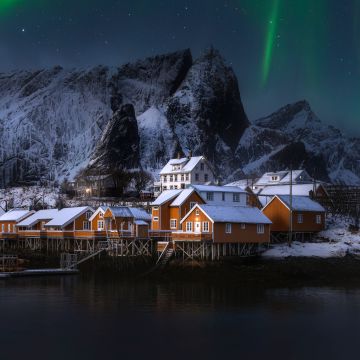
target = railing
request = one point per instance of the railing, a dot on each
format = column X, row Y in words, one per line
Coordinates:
column 191, row 236
column 160, row 233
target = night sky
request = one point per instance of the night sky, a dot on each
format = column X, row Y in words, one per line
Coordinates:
column 281, row 50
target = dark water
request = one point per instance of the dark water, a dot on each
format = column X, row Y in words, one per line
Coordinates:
column 88, row 317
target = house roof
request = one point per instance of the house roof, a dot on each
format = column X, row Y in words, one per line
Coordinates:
column 140, row 214
column 130, row 212
column 215, row 188
column 15, row 215
column 297, row 189
column 188, row 167
column 98, row 210
column 166, row 196
column 67, row 215
column 243, row 183
column 232, row 214
column 299, row 203
column 141, row 222
column 284, row 177
column 179, row 200
column 38, row 216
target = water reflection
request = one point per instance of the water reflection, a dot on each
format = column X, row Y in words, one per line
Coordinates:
column 92, row 317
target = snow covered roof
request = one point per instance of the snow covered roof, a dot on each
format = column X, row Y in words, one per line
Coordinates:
column 120, row 211
column 215, row 188
column 188, row 167
column 141, row 222
column 283, row 177
column 301, row 203
column 15, row 215
column 165, row 196
column 139, row 214
column 243, row 183
column 38, row 216
column 232, row 214
column 101, row 209
column 297, row 189
column 182, row 197
column 2, row 211
column 67, row 215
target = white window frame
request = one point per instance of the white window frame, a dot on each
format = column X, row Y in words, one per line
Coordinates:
column 101, row 215
column 243, row 226
column 228, row 228
column 100, row 227
column 89, row 225
column 205, row 227
column 9, row 228
column 187, row 177
column 236, row 197
column 192, row 204
column 189, row 226
column 155, row 208
column 300, row 218
column 260, row 228
column 318, row 219
column 197, row 212
column 155, row 218
column 173, row 223
column 88, row 215
column 3, row 228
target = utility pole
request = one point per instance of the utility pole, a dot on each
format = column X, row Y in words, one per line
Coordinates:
column 291, row 212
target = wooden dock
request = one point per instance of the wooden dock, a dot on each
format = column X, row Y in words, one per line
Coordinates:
column 37, row 272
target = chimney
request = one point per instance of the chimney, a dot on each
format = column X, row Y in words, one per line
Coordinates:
column 178, row 155
column 190, row 154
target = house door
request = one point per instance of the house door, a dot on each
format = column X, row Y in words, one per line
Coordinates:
column 197, row 227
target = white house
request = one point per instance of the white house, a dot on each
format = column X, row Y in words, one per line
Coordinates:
column 222, row 195
column 182, row 172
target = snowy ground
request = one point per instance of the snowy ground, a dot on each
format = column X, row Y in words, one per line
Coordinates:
column 336, row 241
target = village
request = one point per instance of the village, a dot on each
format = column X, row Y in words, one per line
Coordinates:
column 188, row 216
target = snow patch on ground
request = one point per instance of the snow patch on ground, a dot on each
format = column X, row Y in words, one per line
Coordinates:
column 335, row 241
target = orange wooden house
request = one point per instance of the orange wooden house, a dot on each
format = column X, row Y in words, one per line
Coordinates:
column 121, row 221
column 306, row 215
column 70, row 223
column 171, row 206
column 34, row 225
column 9, row 220
column 224, row 224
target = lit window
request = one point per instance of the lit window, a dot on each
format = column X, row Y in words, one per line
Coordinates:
column 318, row 219
column 236, row 197
column 189, row 226
column 228, row 228
column 205, row 226
column 300, row 218
column 210, row 196
column 243, row 226
column 173, row 224
column 260, row 228
column 100, row 225
column 197, row 212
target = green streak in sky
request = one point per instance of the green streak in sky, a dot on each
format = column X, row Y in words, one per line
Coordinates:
column 270, row 41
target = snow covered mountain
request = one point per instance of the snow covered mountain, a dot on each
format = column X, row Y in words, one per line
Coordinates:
column 56, row 122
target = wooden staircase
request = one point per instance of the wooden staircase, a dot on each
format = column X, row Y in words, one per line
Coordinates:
column 165, row 256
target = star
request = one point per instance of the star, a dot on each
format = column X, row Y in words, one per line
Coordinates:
column 23, row 30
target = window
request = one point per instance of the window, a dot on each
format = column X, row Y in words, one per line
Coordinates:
column 2, row 228
column 318, row 219
column 171, row 178
column 243, row 226
column 223, row 196
column 274, row 178
column 196, row 177
column 197, row 212
column 86, row 225
column 175, row 187
column 210, row 196
column 171, row 187
column 183, row 186
column 202, row 166
column 206, row 177
column 300, row 218
column 165, row 178
column 228, row 228
column 88, row 215
column 205, row 226
column 100, row 225
column 155, row 208
column 155, row 218
column 260, row 228
column 187, row 177
column 236, row 197
column 173, row 224
column 164, row 187
column 189, row 226
column 101, row 215
column 182, row 177
column 192, row 204
column 9, row 228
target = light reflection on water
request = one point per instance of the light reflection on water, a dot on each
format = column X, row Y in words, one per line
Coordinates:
column 96, row 317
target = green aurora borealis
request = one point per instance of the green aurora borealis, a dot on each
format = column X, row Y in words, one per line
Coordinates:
column 281, row 50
